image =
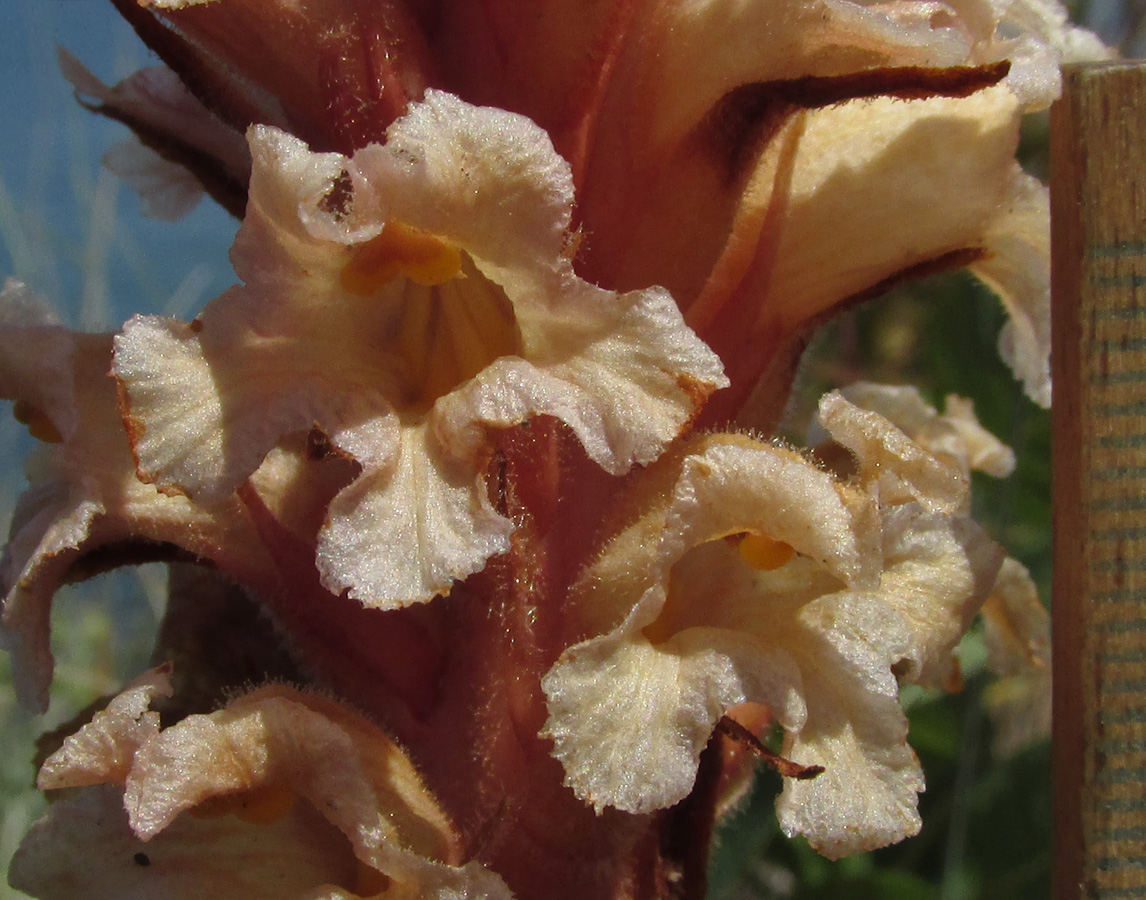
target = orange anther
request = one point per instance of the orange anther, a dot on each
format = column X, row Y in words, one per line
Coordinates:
column 400, row 250
column 764, row 553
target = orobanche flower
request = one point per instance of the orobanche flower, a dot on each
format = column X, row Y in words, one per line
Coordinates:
column 770, row 163
column 406, row 300
column 753, row 576
column 955, row 436
column 83, row 493
column 464, row 449
column 1016, row 626
column 1018, row 637
column 281, row 794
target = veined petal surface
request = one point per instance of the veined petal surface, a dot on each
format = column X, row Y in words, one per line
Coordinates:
column 83, row 492
column 279, row 794
column 405, row 300
column 745, row 573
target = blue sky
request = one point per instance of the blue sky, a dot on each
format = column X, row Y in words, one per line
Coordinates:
column 67, row 226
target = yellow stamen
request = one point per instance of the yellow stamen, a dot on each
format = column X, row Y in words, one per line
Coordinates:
column 39, row 425
column 449, row 334
column 258, row 806
column 764, row 553
column 400, row 250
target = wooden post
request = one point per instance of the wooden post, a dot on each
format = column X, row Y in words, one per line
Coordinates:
column 1098, row 213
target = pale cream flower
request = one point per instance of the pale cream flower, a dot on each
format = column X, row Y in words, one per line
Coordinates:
column 935, row 453
column 83, row 493
column 955, row 436
column 281, row 794
column 407, row 300
column 825, row 150
column 913, row 459
column 1017, row 632
column 750, row 575
column 1016, row 626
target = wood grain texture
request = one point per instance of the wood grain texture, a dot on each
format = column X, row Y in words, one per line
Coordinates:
column 1098, row 211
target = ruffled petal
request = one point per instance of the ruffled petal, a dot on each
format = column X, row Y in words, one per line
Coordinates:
column 955, row 436
column 866, row 796
column 889, row 461
column 486, row 179
column 433, row 507
column 297, row 795
column 938, row 567
column 422, row 285
column 84, row 493
column 174, row 415
column 278, row 736
column 1017, row 268
column 938, row 571
column 103, row 751
column 202, row 418
column 624, row 389
column 958, row 434
column 85, row 847
column 629, row 719
column 722, row 492
column 1016, row 630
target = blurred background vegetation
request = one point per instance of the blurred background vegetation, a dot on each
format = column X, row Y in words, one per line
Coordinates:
column 73, row 233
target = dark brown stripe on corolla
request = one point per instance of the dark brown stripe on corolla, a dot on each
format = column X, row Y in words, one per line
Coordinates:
column 747, row 117
column 901, row 82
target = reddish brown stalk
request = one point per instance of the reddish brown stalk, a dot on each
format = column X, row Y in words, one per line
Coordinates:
column 785, row 767
column 481, row 751
column 686, row 829
column 387, row 663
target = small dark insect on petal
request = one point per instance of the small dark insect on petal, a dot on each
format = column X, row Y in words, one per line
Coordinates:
column 319, row 446
column 142, row 859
